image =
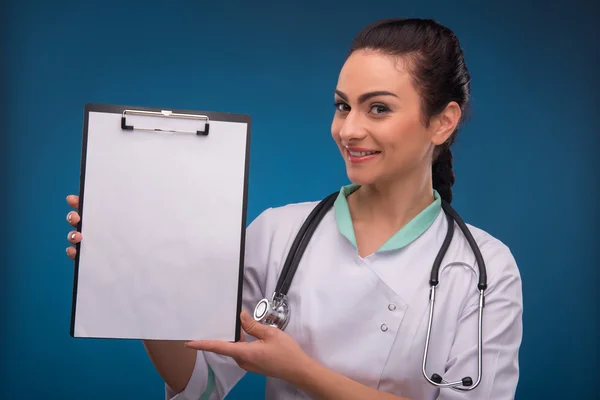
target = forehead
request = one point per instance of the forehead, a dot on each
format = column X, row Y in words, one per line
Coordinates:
column 367, row 71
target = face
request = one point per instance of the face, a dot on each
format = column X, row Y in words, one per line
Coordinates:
column 378, row 125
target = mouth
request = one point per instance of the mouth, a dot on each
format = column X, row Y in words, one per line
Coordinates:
column 354, row 155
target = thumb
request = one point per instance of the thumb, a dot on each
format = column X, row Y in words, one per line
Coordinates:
column 252, row 327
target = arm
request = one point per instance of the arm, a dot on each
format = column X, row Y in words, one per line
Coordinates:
column 324, row 384
column 192, row 374
column 502, row 333
column 172, row 360
column 270, row 355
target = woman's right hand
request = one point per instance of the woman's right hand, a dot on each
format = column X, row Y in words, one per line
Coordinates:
column 73, row 218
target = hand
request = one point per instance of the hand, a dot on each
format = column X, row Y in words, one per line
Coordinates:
column 274, row 353
column 73, row 218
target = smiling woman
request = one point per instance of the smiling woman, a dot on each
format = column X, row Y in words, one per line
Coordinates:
column 361, row 321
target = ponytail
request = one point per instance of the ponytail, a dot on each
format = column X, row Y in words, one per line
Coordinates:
column 442, row 173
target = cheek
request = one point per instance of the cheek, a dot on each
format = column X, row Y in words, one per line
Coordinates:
column 405, row 140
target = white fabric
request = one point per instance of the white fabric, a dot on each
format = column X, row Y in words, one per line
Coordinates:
column 340, row 301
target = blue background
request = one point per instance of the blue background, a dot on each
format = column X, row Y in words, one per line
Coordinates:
column 526, row 165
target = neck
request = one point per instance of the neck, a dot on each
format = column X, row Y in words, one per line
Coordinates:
column 391, row 205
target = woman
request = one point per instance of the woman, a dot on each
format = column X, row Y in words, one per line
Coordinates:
column 359, row 299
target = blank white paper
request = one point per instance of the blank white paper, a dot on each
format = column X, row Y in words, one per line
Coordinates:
column 161, row 226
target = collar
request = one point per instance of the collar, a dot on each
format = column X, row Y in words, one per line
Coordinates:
column 407, row 234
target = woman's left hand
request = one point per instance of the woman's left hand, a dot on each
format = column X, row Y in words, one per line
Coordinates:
column 274, row 353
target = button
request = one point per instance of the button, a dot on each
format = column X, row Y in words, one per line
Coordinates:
column 384, row 327
column 391, row 307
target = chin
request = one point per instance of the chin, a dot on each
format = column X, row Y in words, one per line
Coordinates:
column 363, row 171
column 361, row 178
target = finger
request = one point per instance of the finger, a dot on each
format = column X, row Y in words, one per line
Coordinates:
column 71, row 252
column 74, row 237
column 218, row 347
column 73, row 200
column 73, row 218
column 256, row 329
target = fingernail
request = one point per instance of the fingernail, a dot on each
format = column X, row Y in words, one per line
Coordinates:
column 72, row 236
column 67, row 250
column 69, row 216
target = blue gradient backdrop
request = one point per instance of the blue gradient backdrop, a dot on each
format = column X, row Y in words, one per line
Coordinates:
column 526, row 164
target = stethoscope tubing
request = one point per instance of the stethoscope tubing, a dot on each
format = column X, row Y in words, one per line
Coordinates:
column 301, row 242
column 302, row 239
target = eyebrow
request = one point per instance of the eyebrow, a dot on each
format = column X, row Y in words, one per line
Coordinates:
column 366, row 96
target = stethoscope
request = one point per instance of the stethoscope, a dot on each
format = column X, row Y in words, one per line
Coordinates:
column 276, row 312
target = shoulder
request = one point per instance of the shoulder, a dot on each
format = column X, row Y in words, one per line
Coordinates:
column 500, row 263
column 276, row 227
column 282, row 218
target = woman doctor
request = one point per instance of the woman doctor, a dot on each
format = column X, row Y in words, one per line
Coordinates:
column 360, row 298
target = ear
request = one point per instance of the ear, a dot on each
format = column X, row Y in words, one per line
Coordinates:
column 445, row 123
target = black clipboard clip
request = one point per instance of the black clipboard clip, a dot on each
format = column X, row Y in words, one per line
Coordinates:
column 163, row 114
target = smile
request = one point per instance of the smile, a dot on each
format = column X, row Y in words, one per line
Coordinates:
column 360, row 155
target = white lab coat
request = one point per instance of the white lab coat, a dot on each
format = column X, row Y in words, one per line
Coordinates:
column 366, row 318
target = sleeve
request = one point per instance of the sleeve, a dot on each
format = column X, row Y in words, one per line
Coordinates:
column 501, row 334
column 215, row 375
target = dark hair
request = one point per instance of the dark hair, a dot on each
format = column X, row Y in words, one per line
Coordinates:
column 438, row 69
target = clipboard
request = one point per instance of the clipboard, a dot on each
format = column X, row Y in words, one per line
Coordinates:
column 163, row 200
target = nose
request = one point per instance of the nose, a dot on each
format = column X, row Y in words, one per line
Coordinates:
column 351, row 128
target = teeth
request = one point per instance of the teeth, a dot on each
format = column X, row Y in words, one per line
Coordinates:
column 361, row 153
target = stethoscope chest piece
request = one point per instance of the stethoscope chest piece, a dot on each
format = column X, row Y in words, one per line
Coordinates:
column 275, row 313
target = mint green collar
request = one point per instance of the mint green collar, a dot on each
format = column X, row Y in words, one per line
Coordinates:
column 411, row 231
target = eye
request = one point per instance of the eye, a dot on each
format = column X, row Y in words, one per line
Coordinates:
column 341, row 106
column 379, row 109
